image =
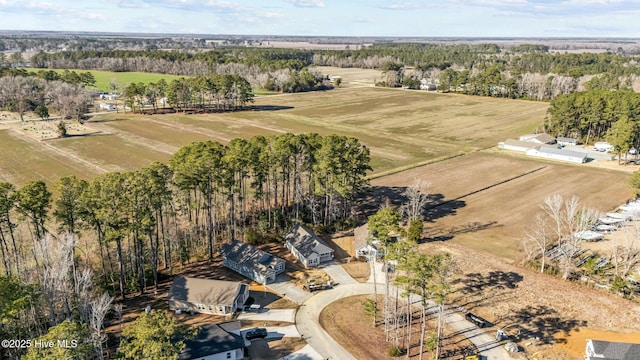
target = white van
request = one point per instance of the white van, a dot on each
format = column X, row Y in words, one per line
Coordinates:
column 603, row 146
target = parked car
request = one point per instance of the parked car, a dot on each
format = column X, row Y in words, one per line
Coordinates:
column 257, row 333
column 477, row 320
column 633, row 151
column 253, row 308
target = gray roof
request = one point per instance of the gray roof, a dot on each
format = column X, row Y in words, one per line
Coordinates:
column 211, row 339
column 544, row 138
column 305, row 241
column 616, row 350
column 566, row 139
column 204, row 291
column 250, row 256
column 562, row 152
column 526, row 144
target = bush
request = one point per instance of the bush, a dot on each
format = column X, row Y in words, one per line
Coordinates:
column 252, row 237
column 395, row 351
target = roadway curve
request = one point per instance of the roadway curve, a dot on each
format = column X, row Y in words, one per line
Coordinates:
column 308, row 324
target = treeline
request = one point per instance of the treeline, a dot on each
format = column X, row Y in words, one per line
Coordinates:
column 139, row 221
column 212, row 93
column 598, row 114
column 525, row 71
column 22, row 94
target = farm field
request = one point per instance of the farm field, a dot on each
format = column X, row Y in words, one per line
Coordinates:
column 487, row 199
column 24, row 159
column 401, row 128
column 123, row 78
column 352, row 77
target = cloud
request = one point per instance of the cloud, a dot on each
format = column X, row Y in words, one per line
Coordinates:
column 307, row 3
column 130, row 4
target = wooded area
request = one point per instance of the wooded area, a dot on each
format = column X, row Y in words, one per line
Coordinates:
column 131, row 224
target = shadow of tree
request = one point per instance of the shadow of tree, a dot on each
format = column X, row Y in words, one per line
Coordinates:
column 494, row 280
column 543, row 323
column 442, row 234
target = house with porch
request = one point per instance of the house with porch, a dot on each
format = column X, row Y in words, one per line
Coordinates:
column 307, row 247
column 249, row 261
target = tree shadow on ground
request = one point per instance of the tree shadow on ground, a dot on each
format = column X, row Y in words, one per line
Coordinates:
column 442, row 234
column 437, row 207
column 268, row 107
column 476, row 289
column 542, row 323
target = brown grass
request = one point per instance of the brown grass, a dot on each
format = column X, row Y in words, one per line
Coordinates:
column 358, row 270
column 494, row 219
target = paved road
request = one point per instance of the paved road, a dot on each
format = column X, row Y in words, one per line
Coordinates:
column 307, row 322
column 339, row 275
column 285, row 315
column 285, row 288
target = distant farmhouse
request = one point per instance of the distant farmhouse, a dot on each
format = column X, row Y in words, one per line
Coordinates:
column 539, row 145
column 215, row 342
column 307, row 247
column 599, row 350
column 251, row 262
column 207, row 296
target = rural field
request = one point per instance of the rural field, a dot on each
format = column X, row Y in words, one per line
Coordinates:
column 401, row 128
column 103, row 78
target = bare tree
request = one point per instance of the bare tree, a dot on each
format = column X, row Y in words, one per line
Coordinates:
column 627, row 255
column 99, row 309
column 537, row 241
column 417, row 198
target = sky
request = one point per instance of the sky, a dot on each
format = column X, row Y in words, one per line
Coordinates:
column 424, row 18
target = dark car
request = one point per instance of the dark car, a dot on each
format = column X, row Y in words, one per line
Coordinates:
column 477, row 320
column 257, row 333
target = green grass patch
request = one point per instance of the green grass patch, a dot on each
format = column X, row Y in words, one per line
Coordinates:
column 123, row 78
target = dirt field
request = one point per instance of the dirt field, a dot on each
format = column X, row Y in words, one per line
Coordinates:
column 484, row 201
column 400, row 127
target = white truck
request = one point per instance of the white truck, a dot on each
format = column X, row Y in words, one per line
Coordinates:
column 603, row 146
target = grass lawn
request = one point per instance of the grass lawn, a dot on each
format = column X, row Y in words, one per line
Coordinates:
column 123, row 78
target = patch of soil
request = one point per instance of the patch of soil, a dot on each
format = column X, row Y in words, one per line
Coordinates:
column 575, row 343
column 359, row 270
column 346, row 321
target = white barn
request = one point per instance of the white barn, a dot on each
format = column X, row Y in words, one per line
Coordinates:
column 558, row 154
column 522, row 146
column 538, row 138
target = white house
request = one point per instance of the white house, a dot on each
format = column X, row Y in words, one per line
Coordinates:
column 107, row 107
column 609, row 350
column 558, row 154
column 307, row 247
column 251, row 262
column 215, row 342
column 207, row 296
column 426, row 85
column 564, row 141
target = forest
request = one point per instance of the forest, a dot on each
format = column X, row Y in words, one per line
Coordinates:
column 525, row 72
column 116, row 232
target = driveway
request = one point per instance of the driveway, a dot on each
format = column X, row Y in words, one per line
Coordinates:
column 306, row 353
column 283, row 287
column 339, row 275
column 282, row 315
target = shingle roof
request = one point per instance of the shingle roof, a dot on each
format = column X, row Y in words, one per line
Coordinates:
column 306, row 242
column 250, row 256
column 204, row 291
column 616, row 350
column 211, row 339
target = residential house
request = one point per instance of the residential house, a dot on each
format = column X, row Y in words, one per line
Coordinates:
column 609, row 350
column 207, row 296
column 426, row 85
column 215, row 342
column 307, row 247
column 251, row 262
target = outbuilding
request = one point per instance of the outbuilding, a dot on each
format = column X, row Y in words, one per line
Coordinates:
column 558, row 154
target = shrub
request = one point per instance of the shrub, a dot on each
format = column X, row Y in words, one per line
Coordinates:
column 395, row 351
